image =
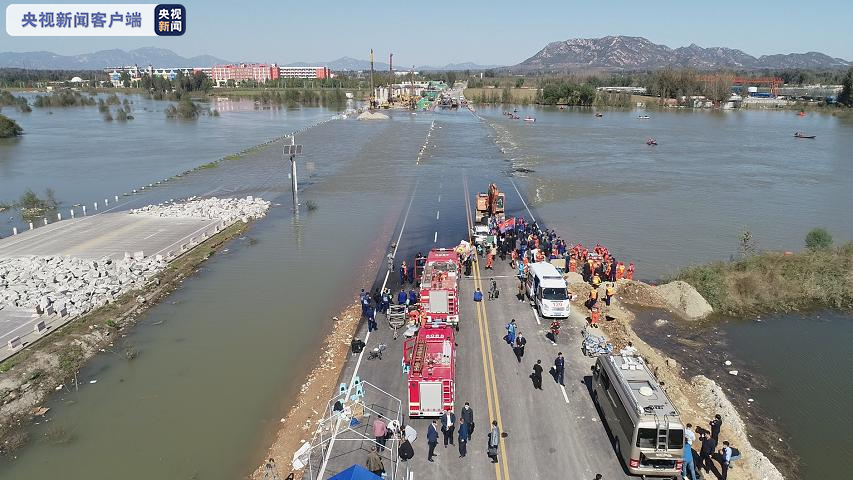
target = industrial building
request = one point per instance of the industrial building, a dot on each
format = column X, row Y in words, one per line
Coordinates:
column 305, row 72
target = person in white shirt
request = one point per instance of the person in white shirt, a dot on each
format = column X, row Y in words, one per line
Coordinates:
column 689, row 434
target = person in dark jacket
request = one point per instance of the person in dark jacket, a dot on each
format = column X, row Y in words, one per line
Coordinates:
column 518, row 348
column 537, row 375
column 413, row 297
column 432, row 440
column 709, row 445
column 405, row 451
column 463, row 438
column 468, row 417
column 716, row 424
column 402, row 297
column 448, row 424
column 559, row 368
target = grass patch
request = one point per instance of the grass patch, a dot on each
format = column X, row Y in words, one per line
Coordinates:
column 312, row 205
column 776, row 282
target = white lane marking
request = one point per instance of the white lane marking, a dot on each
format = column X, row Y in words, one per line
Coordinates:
column 153, row 234
column 439, row 198
column 435, row 238
column 533, row 311
column 366, row 339
column 522, row 199
column 564, row 393
column 436, row 214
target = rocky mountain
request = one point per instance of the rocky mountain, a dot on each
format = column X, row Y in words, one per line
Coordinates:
column 638, row 53
column 103, row 59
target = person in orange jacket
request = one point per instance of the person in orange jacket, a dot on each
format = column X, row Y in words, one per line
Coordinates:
column 573, row 264
column 593, row 317
column 629, row 274
column 620, row 271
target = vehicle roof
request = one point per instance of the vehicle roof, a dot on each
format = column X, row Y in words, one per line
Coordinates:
column 630, row 374
column 442, row 254
column 545, row 271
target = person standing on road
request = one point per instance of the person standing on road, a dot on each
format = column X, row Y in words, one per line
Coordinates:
column 537, row 375
column 380, row 430
column 404, row 273
column 494, row 441
column 432, row 440
column 726, row 461
column 478, row 296
column 518, row 349
column 510, row 332
column 559, row 368
column 448, row 424
column 402, row 297
column 374, row 462
column 406, row 451
column 463, row 438
column 371, row 319
column 689, row 434
column 468, row 418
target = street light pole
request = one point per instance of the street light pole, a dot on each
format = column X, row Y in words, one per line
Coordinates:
column 292, row 150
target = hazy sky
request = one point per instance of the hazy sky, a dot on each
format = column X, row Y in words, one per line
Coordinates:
column 485, row 32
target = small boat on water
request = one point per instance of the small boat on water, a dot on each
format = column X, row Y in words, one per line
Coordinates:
column 651, row 142
column 802, row 113
column 643, row 117
column 529, row 119
column 803, row 135
column 599, row 115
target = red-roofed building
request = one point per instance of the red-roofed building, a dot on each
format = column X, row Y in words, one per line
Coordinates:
column 259, row 72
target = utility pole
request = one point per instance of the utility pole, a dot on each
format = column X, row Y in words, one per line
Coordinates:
column 390, row 76
column 292, row 150
column 372, row 91
column 412, row 85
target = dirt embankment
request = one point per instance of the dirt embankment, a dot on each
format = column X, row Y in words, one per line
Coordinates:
column 676, row 296
column 29, row 377
column 698, row 398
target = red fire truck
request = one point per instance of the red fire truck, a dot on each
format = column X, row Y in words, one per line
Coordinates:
column 439, row 295
column 431, row 361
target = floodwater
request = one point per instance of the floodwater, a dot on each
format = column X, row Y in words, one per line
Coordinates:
column 216, row 359
column 686, row 200
column 85, row 159
column 220, row 359
column 795, row 368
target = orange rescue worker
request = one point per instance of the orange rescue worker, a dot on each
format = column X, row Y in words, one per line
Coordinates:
column 414, row 316
column 593, row 298
column 607, row 270
column 608, row 294
column 596, row 281
column 573, row 264
column 620, row 271
column 490, row 260
column 629, row 274
column 540, row 257
column 513, row 258
column 593, row 317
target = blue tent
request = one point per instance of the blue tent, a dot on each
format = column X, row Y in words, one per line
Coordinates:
column 356, row 472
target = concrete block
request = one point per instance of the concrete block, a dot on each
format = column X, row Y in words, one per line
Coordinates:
column 40, row 327
column 138, row 255
column 16, row 344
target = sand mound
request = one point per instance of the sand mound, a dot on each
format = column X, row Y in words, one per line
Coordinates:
column 684, row 298
column 372, row 116
column 573, row 278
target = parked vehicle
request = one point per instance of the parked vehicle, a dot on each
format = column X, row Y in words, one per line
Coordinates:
column 439, row 287
column 430, row 358
column 548, row 290
column 646, row 428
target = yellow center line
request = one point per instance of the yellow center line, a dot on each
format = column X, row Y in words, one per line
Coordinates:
column 486, row 350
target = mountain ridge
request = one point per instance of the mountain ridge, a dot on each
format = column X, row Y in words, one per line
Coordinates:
column 618, row 52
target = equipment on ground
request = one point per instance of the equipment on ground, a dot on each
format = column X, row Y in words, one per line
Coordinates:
column 595, row 345
column 430, row 359
column 490, row 204
column 396, row 316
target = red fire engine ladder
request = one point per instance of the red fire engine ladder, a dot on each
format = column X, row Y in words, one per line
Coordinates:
column 447, row 384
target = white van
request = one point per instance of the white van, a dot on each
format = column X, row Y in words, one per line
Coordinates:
column 548, row 290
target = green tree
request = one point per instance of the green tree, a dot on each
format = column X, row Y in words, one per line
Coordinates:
column 124, row 77
column 9, row 128
column 818, row 239
column 846, row 96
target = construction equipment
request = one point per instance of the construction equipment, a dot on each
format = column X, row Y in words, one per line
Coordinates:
column 430, row 359
column 490, row 204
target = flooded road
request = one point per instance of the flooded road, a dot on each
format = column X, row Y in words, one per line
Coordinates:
column 217, row 358
column 220, row 360
column 686, row 200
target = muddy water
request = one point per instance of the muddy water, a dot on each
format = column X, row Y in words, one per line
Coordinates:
column 216, row 359
column 85, row 159
column 686, row 200
column 795, row 368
